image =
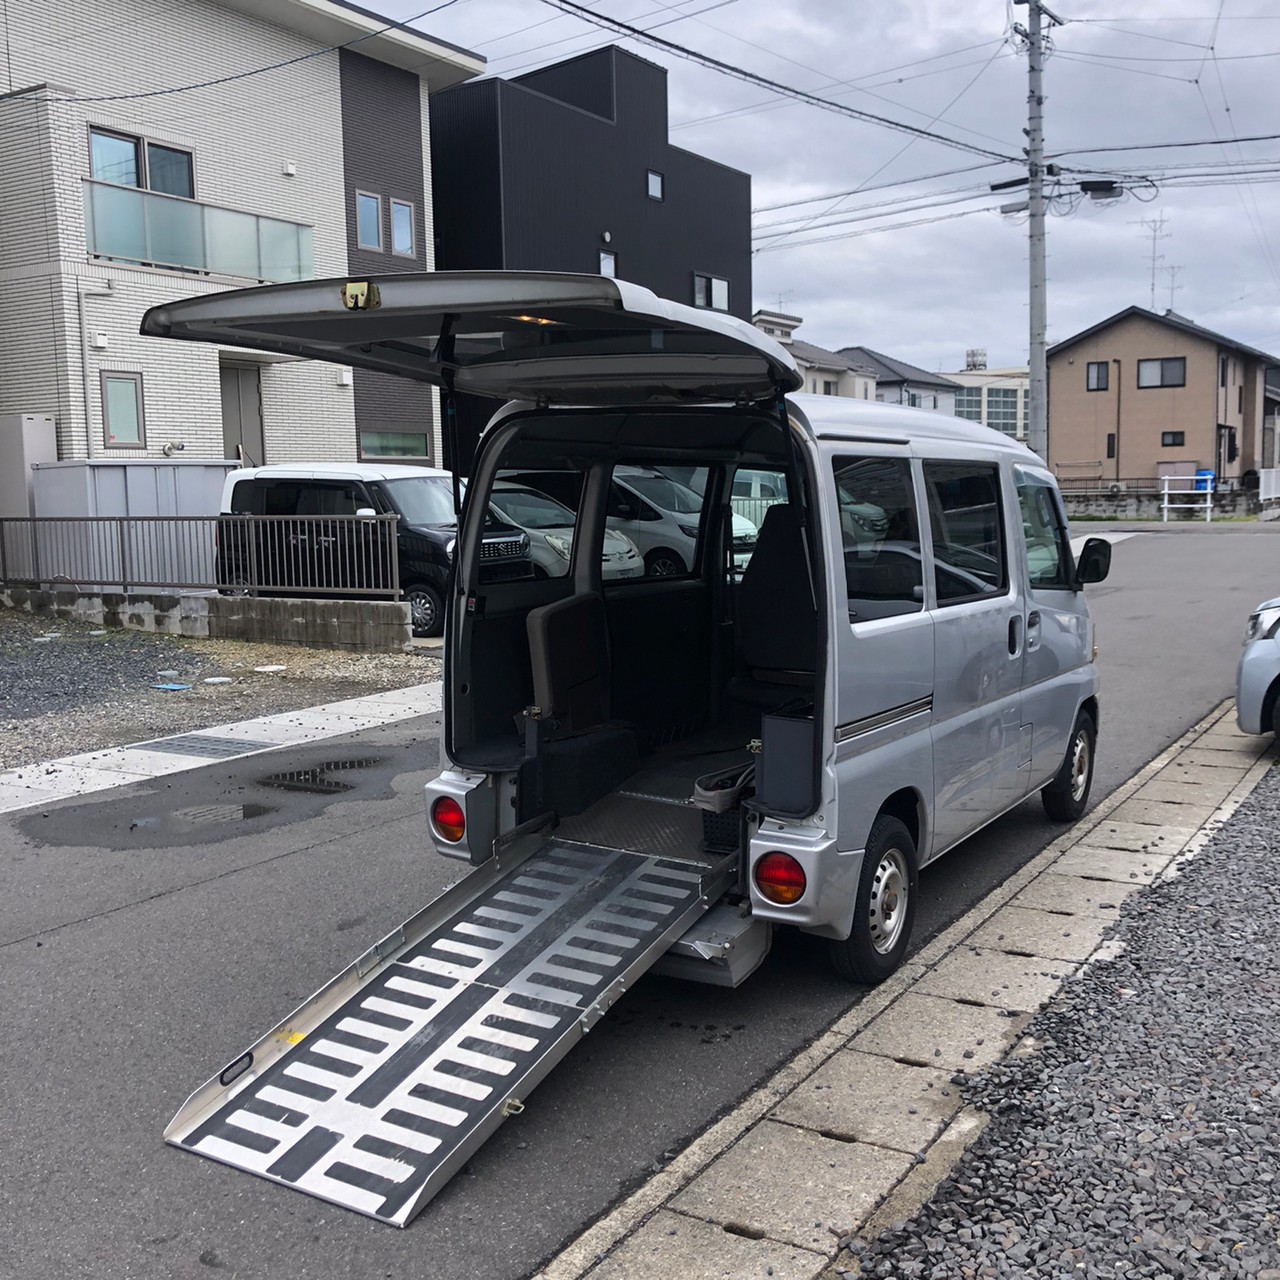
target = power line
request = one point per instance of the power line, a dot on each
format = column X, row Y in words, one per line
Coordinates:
column 750, row 77
column 853, row 191
column 867, row 213
column 867, row 231
column 1164, row 146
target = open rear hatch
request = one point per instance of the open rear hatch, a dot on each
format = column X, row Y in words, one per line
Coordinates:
column 536, row 336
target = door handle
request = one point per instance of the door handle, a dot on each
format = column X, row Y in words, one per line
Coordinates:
column 1013, row 636
column 1033, row 630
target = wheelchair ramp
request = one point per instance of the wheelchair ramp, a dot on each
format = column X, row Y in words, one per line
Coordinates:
column 378, row 1089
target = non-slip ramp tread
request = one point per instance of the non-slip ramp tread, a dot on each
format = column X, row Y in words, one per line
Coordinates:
column 385, row 1098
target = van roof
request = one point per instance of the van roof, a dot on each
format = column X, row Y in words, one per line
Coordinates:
column 334, row 471
column 844, row 416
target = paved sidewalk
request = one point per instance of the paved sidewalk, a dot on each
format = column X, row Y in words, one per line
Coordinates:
column 858, row 1130
column 93, row 771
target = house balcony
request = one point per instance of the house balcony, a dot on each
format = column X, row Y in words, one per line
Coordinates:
column 128, row 224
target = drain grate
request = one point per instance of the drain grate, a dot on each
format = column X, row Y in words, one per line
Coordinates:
column 208, row 745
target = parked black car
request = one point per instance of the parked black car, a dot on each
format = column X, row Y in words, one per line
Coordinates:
column 315, row 546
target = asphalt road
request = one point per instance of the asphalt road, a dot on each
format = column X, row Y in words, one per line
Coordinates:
column 142, row 947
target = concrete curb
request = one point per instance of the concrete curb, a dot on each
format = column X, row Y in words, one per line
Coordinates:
column 752, row 1192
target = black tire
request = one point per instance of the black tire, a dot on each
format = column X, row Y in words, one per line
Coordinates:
column 1067, row 796
column 237, row 585
column 662, row 562
column 426, row 609
column 885, row 908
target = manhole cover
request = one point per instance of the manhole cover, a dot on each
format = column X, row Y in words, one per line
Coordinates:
column 319, row 779
column 208, row 745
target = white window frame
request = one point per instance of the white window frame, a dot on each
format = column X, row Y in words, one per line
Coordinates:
column 710, row 282
column 360, row 244
column 412, row 250
column 609, row 263
column 661, row 184
column 122, row 375
column 143, row 145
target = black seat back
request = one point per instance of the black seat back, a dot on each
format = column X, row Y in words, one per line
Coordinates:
column 777, row 617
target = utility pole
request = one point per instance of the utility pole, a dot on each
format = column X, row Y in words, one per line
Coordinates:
column 1038, row 401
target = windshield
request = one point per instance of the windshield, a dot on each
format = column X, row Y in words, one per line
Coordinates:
column 531, row 510
column 666, row 494
column 422, row 499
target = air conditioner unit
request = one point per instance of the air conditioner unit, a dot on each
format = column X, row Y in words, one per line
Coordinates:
column 1115, row 489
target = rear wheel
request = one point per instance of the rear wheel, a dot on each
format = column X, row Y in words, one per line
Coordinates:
column 426, row 611
column 885, row 908
column 1067, row 796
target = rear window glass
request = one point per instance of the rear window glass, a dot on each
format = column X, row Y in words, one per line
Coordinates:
column 880, row 536
column 660, row 515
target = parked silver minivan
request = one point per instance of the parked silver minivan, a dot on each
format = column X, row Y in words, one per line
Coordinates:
column 906, row 655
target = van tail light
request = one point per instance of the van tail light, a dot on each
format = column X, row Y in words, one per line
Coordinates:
column 448, row 819
column 780, row 878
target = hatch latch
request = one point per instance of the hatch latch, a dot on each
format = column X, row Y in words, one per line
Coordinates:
column 360, row 295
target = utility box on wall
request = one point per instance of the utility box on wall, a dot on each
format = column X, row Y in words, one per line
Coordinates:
column 26, row 440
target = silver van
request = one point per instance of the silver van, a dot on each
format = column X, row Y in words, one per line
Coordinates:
column 653, row 773
column 906, row 655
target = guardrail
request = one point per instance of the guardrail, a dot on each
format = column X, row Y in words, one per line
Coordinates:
column 1200, row 495
column 240, row 555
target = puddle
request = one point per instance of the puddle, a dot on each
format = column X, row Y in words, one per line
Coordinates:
column 201, row 814
column 319, row 780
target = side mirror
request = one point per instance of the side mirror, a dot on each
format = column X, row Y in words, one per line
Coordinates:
column 1095, row 561
column 366, row 513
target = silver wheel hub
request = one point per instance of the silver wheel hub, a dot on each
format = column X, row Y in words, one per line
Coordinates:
column 1079, row 765
column 887, row 909
column 421, row 610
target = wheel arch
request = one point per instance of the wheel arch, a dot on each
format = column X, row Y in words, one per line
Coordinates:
column 907, row 805
column 1269, row 705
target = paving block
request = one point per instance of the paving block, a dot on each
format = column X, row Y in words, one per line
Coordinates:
column 1232, row 742
column 931, row 1031
column 673, row 1245
column 1017, row 983
column 1162, row 813
column 1176, row 787
column 794, row 1185
column 1207, row 759
column 1137, row 837
column 868, row 1098
column 1070, row 895
column 1119, row 865
column 1040, row 933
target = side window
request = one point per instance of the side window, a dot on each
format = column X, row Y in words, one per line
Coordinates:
column 968, row 532
column 341, row 498
column 659, row 515
column 1049, row 562
column 246, row 498
column 881, row 537
column 283, row 498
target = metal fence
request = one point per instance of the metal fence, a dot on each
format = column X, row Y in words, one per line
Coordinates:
column 1192, row 494
column 1109, row 485
column 243, row 555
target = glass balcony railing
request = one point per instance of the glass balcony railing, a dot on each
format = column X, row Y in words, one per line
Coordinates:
column 131, row 225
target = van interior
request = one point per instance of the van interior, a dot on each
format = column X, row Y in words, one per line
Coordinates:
column 612, row 699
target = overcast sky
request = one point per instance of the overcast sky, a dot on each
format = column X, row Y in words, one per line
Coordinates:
column 1122, row 72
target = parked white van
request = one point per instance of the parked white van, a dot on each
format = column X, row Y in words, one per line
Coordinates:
column 654, row 773
column 897, row 680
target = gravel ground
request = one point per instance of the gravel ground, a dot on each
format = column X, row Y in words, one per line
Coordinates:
column 64, row 689
column 1144, row 1138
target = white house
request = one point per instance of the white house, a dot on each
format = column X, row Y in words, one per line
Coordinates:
column 127, row 184
column 825, row 372
column 898, row 382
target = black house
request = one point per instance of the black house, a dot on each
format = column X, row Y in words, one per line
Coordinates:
column 568, row 168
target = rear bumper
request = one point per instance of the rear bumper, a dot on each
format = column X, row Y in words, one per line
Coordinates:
column 831, row 875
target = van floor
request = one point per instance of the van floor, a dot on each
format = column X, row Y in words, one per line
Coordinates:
column 651, row 812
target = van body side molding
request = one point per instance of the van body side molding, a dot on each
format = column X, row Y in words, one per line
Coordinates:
column 856, row 728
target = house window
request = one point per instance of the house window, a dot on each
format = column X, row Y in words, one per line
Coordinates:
column 368, row 220
column 913, row 399
column 969, row 404
column 1172, row 439
column 1111, row 444
column 1162, row 373
column 123, row 420
column 402, row 240
column 134, row 162
column 392, row 444
column 829, row 389
column 1096, row 375
column 657, row 188
column 711, row 291
column 608, row 263
column 1222, row 371
column 1240, row 398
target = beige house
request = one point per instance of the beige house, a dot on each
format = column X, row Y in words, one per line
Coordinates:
column 1142, row 395
column 826, row 373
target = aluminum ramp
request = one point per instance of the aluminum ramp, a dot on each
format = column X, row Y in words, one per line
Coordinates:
column 379, row 1088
